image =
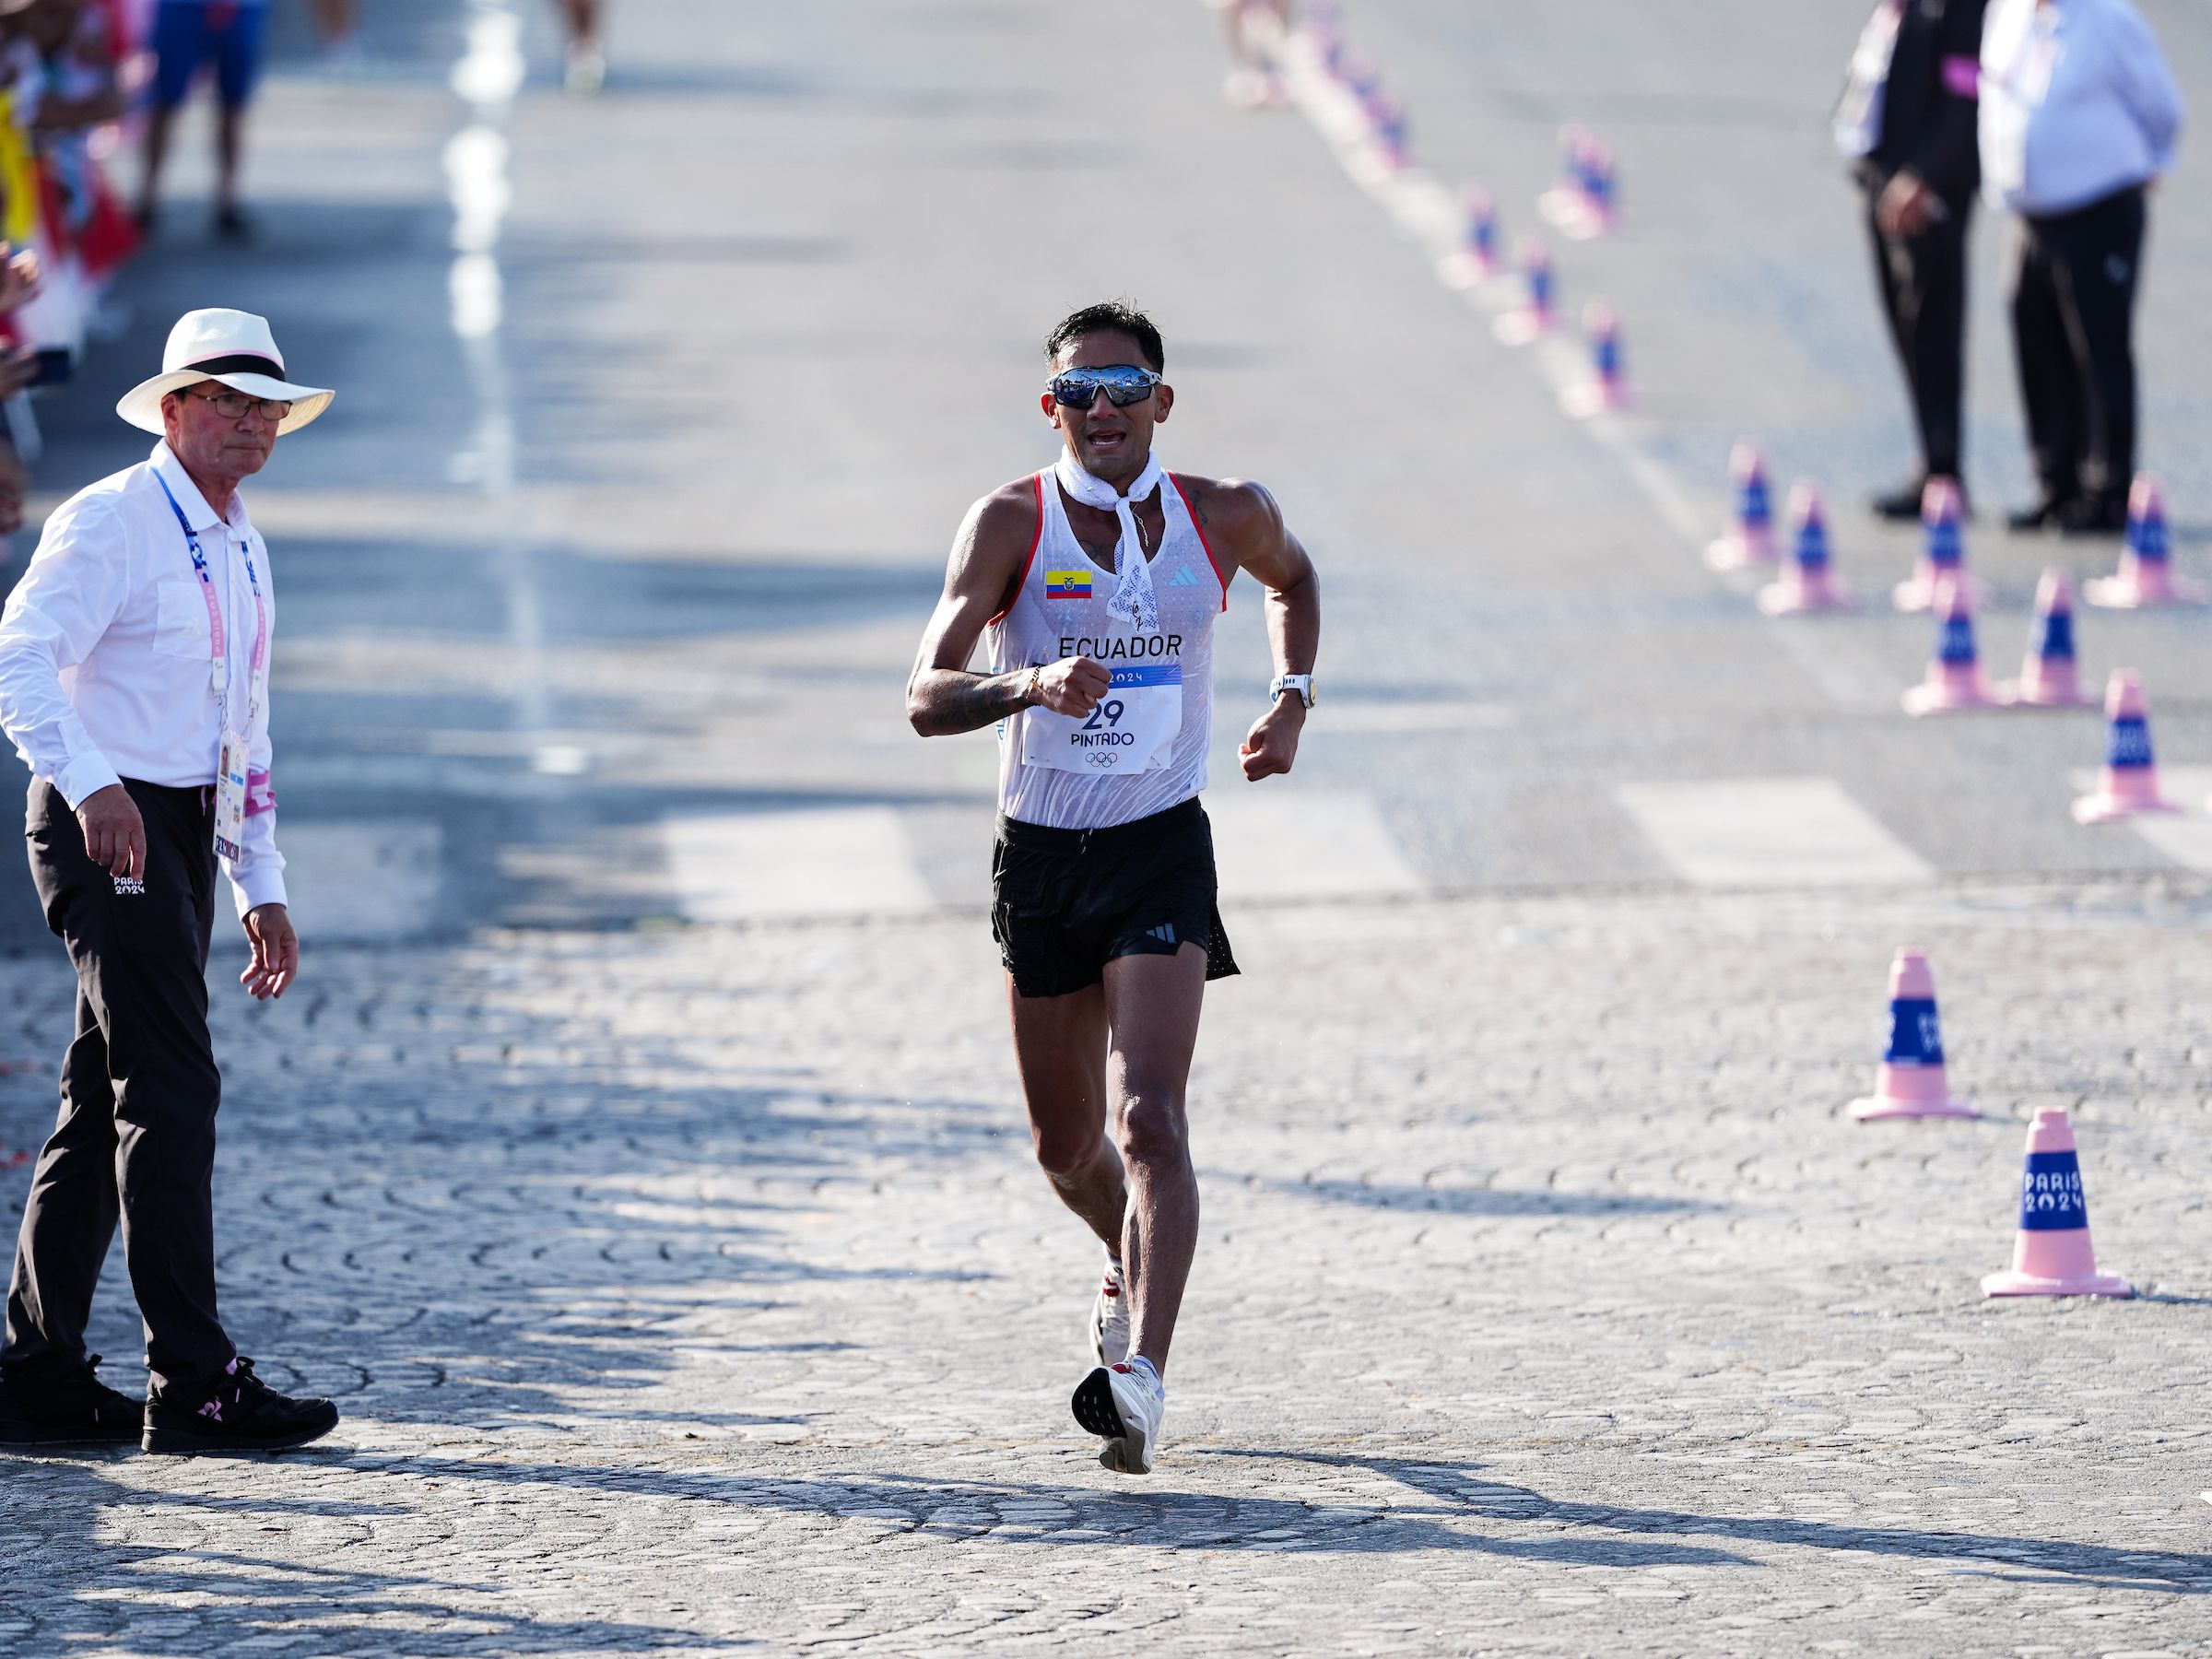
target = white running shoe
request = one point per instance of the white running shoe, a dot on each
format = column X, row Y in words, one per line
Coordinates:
column 586, row 70
column 1110, row 1317
column 1122, row 1406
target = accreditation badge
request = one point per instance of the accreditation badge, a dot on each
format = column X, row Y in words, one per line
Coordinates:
column 231, row 796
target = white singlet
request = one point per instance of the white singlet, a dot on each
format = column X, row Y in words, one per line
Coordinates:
column 1144, row 748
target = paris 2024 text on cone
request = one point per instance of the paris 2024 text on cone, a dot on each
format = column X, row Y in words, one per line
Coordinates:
column 1911, row 1082
column 1954, row 678
column 2051, row 1254
column 1476, row 261
column 2146, row 578
column 1750, row 538
column 1607, row 387
column 1943, row 553
column 2050, row 677
column 2129, row 784
column 1808, row 583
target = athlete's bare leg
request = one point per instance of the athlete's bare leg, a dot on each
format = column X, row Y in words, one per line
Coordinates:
column 1152, row 1003
column 583, row 20
column 159, row 120
column 1060, row 1050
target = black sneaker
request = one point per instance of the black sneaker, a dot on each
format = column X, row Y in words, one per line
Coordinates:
column 1900, row 504
column 2045, row 514
column 2096, row 513
column 65, row 1406
column 240, row 1413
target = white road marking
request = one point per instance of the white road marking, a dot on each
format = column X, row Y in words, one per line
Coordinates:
column 1770, row 833
column 1272, row 841
column 2186, row 837
column 367, row 879
column 745, row 866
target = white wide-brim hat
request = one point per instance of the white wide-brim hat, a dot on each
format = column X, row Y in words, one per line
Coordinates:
column 233, row 346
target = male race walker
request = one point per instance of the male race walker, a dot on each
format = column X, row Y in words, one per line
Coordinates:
column 1097, row 582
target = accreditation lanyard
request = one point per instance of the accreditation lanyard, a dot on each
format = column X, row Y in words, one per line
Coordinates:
column 215, row 619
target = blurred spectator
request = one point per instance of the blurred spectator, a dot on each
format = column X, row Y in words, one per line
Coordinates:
column 586, row 70
column 339, row 23
column 2079, row 117
column 189, row 35
column 19, row 363
column 1253, row 82
column 1907, row 124
column 81, row 53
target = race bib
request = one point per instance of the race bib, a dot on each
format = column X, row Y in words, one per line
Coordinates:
column 231, row 796
column 1131, row 730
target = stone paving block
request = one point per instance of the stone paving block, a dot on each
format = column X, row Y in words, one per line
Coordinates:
column 692, row 1291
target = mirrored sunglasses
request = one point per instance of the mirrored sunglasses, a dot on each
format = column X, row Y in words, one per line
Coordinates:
column 1123, row 384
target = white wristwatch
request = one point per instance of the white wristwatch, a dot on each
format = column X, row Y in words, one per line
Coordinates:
column 1301, row 683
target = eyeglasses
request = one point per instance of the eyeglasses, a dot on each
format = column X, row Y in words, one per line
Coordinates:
column 232, row 405
column 1123, row 384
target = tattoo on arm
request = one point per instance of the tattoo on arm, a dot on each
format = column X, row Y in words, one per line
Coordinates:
column 989, row 698
column 957, row 700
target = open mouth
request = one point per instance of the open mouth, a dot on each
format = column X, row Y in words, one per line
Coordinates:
column 1107, row 441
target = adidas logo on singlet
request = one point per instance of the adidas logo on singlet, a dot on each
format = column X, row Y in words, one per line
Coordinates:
column 1184, row 577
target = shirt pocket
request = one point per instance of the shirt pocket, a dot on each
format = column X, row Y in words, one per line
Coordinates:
column 180, row 620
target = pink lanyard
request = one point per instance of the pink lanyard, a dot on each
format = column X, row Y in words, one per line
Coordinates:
column 215, row 613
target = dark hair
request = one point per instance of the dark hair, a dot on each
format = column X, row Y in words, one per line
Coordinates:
column 1108, row 316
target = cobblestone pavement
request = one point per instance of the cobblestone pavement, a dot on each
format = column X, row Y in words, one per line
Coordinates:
column 692, row 1291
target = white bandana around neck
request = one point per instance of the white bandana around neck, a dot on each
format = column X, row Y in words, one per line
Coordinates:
column 1133, row 600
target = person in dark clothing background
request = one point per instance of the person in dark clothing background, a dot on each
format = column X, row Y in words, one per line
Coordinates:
column 2081, row 119
column 1907, row 122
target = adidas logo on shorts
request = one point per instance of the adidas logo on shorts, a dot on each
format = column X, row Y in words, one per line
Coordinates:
column 1164, row 933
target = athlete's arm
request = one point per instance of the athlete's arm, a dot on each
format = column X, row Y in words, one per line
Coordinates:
column 990, row 557
column 1246, row 528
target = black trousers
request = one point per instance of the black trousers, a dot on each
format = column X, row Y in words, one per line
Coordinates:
column 2073, row 331
column 135, row 1138
column 1922, row 284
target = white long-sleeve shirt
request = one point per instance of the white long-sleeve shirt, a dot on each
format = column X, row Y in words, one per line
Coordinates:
column 107, row 657
column 2077, row 103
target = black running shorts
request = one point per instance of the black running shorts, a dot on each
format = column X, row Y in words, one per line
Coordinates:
column 1065, row 902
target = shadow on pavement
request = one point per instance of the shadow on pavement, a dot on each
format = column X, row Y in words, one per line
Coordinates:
column 1461, row 1488
column 1485, row 1200
column 1152, row 1518
column 186, row 1598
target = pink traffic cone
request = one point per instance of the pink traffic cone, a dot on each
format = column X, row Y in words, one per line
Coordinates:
column 1607, row 386
column 2050, row 679
column 1954, row 678
column 2146, row 576
column 1578, row 205
column 2051, row 1254
column 2129, row 784
column 1477, row 261
column 1533, row 318
column 1384, row 155
column 1807, row 584
column 1390, row 133
column 1943, row 554
column 1911, row 1082
column 1750, row 538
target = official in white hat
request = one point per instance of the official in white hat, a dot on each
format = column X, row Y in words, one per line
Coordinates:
column 133, row 682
